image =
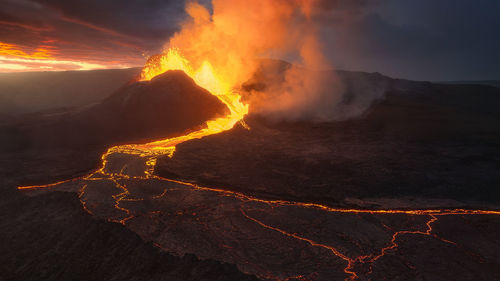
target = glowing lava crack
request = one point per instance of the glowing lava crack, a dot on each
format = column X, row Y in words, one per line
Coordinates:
column 182, row 217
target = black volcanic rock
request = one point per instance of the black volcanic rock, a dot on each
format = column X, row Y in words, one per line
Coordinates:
column 423, row 146
column 422, row 140
column 53, row 238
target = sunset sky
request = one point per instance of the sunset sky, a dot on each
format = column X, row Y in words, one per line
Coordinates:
column 424, row 40
column 63, row 35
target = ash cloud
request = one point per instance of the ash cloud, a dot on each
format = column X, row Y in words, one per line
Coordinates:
column 235, row 32
column 281, row 91
column 309, row 88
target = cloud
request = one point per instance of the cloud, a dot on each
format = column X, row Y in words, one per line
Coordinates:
column 425, row 39
column 112, row 33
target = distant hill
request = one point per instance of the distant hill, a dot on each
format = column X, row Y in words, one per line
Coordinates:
column 30, row 92
column 494, row 83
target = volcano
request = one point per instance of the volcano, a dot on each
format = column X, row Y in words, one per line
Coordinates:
column 218, row 160
column 169, row 104
column 293, row 200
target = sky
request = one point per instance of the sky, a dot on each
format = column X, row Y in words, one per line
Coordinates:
column 419, row 40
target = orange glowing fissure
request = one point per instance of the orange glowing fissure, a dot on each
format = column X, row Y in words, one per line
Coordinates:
column 206, row 76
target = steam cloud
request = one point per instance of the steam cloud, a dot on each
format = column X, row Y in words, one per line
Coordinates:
column 238, row 32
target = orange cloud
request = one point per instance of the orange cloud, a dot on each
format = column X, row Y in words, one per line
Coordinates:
column 12, row 50
column 22, row 64
column 45, row 57
column 15, row 58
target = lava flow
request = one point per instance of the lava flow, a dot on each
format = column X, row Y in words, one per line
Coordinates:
column 213, row 52
column 149, row 153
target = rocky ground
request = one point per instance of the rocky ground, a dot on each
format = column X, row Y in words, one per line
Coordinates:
column 284, row 200
column 421, row 141
column 51, row 237
column 290, row 240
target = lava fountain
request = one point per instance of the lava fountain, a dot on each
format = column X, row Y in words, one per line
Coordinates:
column 218, row 51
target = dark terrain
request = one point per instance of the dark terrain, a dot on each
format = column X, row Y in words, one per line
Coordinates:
column 494, row 83
column 49, row 143
column 421, row 140
column 419, row 145
column 51, row 237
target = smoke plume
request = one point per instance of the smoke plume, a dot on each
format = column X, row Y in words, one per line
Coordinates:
column 236, row 33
